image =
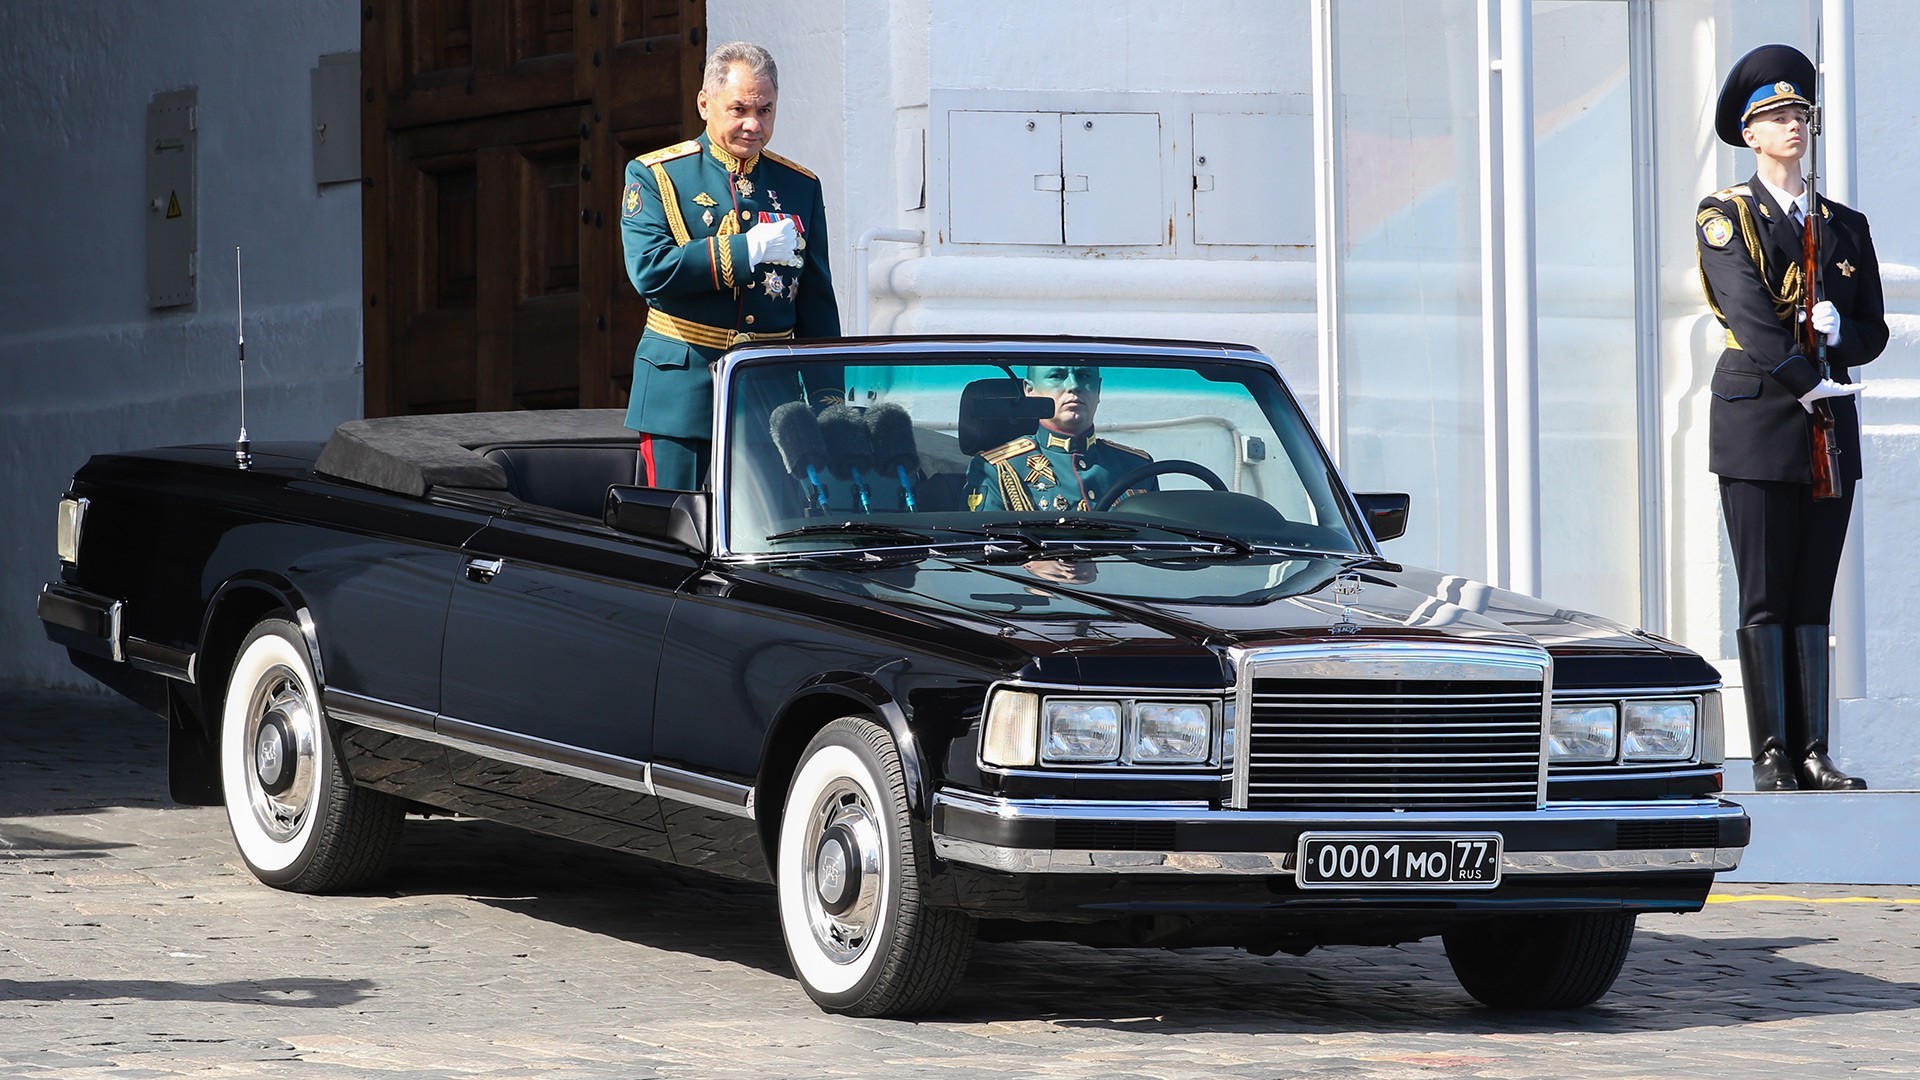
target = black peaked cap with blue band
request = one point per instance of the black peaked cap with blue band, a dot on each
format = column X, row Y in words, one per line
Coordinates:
column 1766, row 78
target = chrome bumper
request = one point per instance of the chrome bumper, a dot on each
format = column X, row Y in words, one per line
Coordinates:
column 957, row 814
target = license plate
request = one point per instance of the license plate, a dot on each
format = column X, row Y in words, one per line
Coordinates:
column 1399, row 861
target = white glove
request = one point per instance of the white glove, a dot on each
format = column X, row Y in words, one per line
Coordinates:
column 1827, row 388
column 772, row 241
column 1826, row 319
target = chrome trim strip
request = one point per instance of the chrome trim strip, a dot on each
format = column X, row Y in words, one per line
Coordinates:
column 543, row 754
column 1043, row 860
column 1280, row 863
column 1603, row 692
column 371, row 712
column 160, row 659
column 628, row 774
column 701, row 790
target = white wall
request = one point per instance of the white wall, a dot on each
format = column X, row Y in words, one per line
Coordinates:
column 85, row 366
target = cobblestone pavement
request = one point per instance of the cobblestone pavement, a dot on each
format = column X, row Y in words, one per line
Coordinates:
column 133, row 943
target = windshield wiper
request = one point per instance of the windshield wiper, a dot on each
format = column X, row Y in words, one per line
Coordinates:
column 855, row 528
column 1087, row 524
column 1220, row 539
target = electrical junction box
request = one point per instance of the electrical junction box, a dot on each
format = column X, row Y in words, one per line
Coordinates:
column 173, row 219
column 336, row 119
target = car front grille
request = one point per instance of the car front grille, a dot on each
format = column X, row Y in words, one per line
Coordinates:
column 1392, row 743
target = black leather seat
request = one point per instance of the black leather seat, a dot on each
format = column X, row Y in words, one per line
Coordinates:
column 573, row 479
column 997, row 411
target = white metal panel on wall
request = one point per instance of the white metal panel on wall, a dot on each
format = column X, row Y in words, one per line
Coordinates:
column 1003, row 180
column 1253, row 178
column 1110, row 165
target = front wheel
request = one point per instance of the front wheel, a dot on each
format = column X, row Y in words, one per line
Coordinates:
column 1541, row 961
column 298, row 820
column 861, row 937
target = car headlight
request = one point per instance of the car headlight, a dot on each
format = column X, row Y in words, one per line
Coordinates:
column 1713, row 730
column 1171, row 733
column 1658, row 730
column 1582, row 733
column 1080, row 731
column 66, row 531
column 1010, row 736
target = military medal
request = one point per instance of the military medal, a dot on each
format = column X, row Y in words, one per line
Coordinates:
column 746, row 187
column 707, row 218
column 774, row 198
column 775, row 285
column 1060, row 502
column 1039, row 468
column 1846, row 268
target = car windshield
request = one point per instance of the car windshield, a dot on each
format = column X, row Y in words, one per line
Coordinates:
column 1043, row 450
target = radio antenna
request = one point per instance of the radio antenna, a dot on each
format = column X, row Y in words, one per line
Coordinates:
column 241, row 448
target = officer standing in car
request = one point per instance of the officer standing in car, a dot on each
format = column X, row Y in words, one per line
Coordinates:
column 1766, row 387
column 728, row 243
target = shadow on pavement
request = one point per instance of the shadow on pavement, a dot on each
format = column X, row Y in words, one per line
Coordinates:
column 1671, row 982
column 23, row 841
column 286, row 993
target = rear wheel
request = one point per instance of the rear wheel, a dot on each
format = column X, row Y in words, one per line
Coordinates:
column 298, row 820
column 1541, row 961
column 862, row 939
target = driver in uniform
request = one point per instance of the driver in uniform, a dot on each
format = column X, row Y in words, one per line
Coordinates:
column 1063, row 465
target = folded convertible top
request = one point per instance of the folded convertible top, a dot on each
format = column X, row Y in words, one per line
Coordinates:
column 409, row 454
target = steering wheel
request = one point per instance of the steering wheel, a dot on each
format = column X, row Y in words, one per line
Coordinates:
column 1157, row 468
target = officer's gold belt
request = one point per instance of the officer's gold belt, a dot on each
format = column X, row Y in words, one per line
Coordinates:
column 707, row 337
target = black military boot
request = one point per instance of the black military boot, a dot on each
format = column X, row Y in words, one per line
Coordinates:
column 1763, row 674
column 1808, row 724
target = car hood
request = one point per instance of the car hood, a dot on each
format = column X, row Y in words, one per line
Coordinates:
column 1134, row 599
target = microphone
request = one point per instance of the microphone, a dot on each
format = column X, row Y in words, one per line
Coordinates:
column 796, row 434
column 890, row 432
column 847, row 447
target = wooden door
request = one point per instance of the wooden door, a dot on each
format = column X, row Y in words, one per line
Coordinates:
column 495, row 135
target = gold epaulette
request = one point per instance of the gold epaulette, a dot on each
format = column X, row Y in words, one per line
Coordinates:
column 677, row 150
column 1123, row 447
column 1022, row 445
column 801, row 169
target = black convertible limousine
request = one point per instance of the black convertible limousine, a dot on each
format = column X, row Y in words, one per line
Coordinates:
column 921, row 658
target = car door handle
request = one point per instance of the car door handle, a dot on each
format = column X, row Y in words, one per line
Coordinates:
column 482, row 570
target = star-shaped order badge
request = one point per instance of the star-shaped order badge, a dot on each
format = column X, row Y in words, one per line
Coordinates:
column 1846, row 268
column 775, row 285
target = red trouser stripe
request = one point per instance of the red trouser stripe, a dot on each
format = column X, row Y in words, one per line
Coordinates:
column 646, row 459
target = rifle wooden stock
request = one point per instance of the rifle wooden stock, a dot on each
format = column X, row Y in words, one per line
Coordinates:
column 1825, row 449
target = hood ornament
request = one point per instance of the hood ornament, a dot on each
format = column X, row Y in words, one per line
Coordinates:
column 1346, row 586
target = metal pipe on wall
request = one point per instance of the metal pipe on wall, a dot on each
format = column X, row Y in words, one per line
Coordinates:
column 1521, row 293
column 1838, row 158
column 862, row 249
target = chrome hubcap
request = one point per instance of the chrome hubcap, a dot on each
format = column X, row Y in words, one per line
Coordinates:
column 282, row 732
column 844, row 874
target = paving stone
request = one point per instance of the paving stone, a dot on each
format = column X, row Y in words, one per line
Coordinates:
column 134, row 944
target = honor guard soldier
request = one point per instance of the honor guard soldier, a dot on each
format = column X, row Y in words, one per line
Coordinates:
column 1063, row 465
column 1784, row 434
column 727, row 242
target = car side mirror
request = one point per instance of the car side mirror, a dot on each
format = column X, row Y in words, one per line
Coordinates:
column 1386, row 513
column 678, row 517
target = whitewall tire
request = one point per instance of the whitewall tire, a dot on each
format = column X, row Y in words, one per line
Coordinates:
column 298, row 820
column 861, row 938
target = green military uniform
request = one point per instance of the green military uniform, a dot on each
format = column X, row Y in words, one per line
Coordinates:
column 683, row 222
column 1049, row 471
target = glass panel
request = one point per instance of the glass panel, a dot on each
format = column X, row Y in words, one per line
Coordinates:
column 1584, row 236
column 1409, row 332
column 1083, row 453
